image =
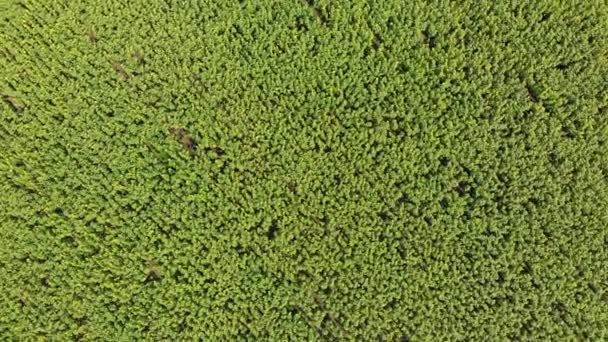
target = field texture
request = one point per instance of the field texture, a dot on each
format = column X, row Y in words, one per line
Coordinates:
column 303, row 170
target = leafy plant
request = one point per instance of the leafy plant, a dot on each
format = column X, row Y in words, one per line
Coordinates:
column 308, row 170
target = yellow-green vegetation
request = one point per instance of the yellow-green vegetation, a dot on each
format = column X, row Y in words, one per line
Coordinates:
column 303, row 170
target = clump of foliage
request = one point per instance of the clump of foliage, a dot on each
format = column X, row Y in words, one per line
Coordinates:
column 303, row 170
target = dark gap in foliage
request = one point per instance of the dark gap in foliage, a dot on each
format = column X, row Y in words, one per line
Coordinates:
column 240, row 250
column 391, row 304
column 461, row 188
column 547, row 233
column 593, row 287
column 501, row 277
column 138, row 56
column 468, row 72
column 292, row 310
column 185, row 139
column 507, row 132
column 44, row 282
column 23, row 5
column 304, row 276
column 383, row 215
column 258, row 224
column 402, row 68
column 178, row 276
column 153, row 275
column 93, row 252
column 316, row 12
column 404, row 198
column 67, row 75
column 292, row 187
column 323, row 220
column 401, row 251
column 560, row 309
column 532, row 93
column 69, row 240
column 221, row 103
column 527, row 268
column 228, row 304
column 525, row 329
column 120, row 70
column 467, row 212
column 272, row 230
column 300, row 24
column 377, row 41
column 169, row 230
column 237, row 28
column 527, row 114
column 390, row 22
column 80, row 321
column 554, row 158
column 428, row 220
column 281, row 48
column 580, row 271
column 567, row 132
column 158, row 244
column 216, row 149
column 312, row 52
column 92, row 36
column 429, row 39
column 489, row 232
column 100, row 233
column 58, row 117
column 545, row 16
column 564, row 65
column 182, row 326
column 337, row 179
column 128, row 208
column 534, row 201
column 13, row 103
column 324, row 327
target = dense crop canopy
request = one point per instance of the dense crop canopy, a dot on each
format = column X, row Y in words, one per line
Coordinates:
column 303, row 170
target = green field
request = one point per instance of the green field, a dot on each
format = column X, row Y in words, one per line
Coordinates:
column 303, row 170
